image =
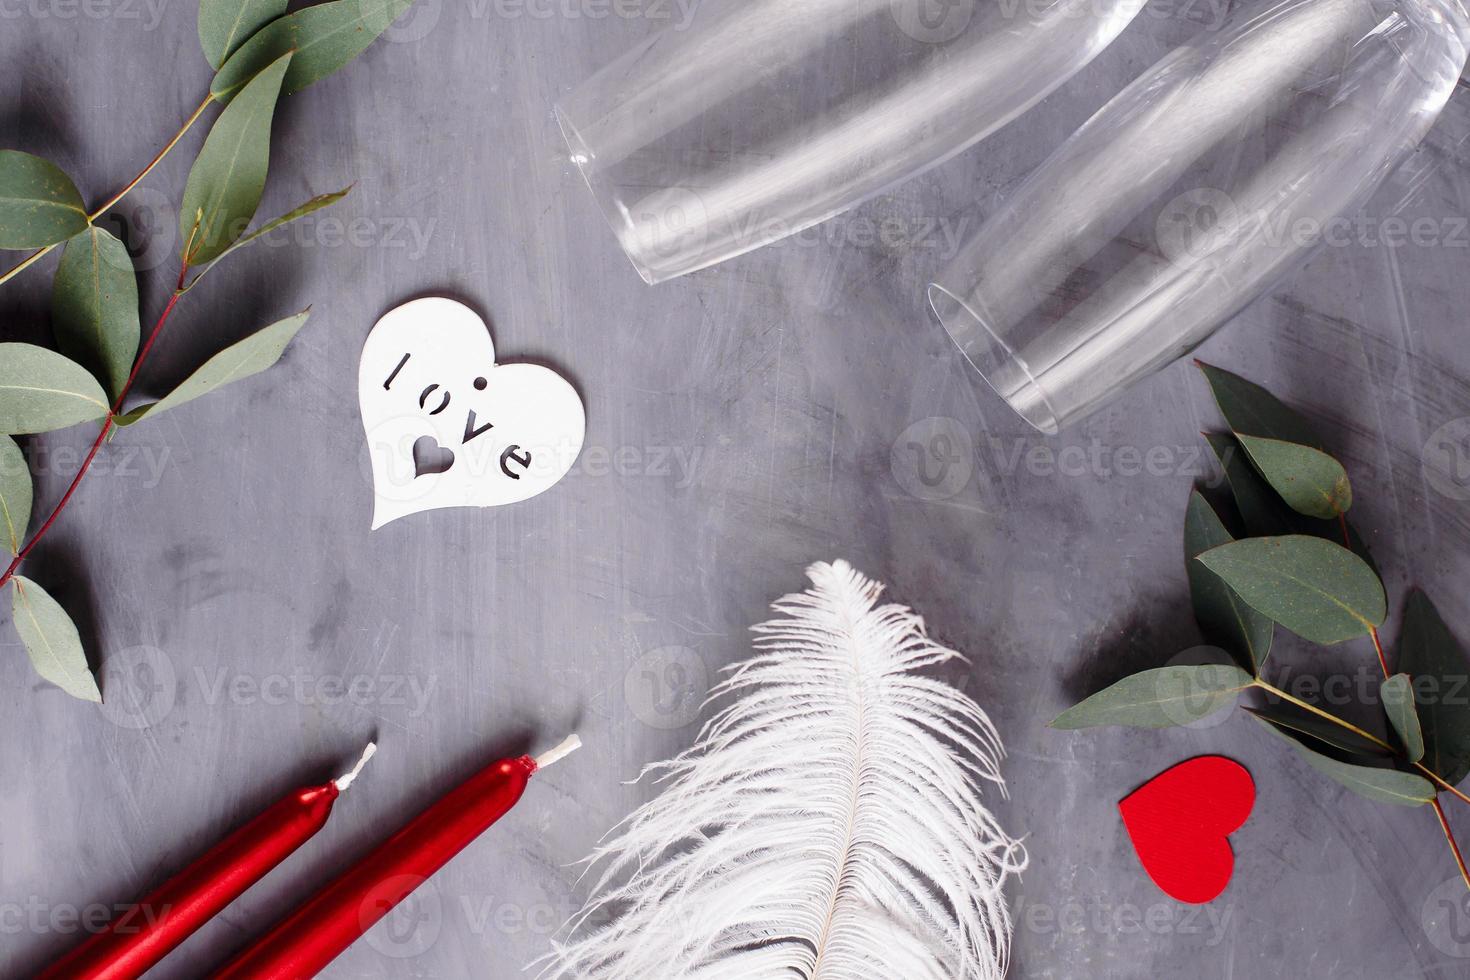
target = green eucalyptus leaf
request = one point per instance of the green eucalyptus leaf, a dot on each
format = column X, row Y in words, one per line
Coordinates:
column 39, row 205
column 40, row 391
column 1251, row 410
column 15, row 495
column 224, row 25
column 324, row 38
column 1398, row 703
column 1429, row 653
column 1263, row 511
column 1223, row 615
column 1161, row 698
column 94, row 307
column 313, row 205
column 250, row 356
column 1319, row 590
column 1335, row 736
column 228, row 178
column 1379, row 785
column 52, row 640
column 1310, row 481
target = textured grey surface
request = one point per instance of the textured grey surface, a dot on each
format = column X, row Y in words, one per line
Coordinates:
column 743, row 422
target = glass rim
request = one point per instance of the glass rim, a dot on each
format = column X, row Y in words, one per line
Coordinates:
column 615, row 214
column 1005, row 371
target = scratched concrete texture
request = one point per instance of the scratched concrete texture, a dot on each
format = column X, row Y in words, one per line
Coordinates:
column 793, row 405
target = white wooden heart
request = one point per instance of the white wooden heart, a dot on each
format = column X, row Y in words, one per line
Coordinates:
column 448, row 427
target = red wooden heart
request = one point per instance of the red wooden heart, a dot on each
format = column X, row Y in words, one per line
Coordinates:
column 1180, row 821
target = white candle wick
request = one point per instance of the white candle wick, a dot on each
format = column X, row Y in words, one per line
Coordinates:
column 344, row 781
column 569, row 745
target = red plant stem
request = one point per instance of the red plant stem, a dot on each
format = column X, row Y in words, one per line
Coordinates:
column 107, row 425
column 1444, row 823
column 1378, row 648
column 112, row 201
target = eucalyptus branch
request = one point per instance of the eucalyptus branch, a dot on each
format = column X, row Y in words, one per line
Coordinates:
column 1440, row 781
column 1444, row 823
column 1307, row 706
column 117, row 198
column 1346, row 725
column 315, row 204
column 107, row 423
column 260, row 55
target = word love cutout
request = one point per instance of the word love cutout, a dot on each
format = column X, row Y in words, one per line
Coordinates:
column 448, row 427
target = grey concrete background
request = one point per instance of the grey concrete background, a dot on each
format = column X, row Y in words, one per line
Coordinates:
column 744, row 422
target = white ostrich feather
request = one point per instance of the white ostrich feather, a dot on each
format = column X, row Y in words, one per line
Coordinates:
column 828, row 824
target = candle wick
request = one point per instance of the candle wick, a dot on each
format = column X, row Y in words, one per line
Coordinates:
column 344, row 781
column 571, row 744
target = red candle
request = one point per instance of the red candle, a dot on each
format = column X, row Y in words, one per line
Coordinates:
column 134, row 942
column 303, row 943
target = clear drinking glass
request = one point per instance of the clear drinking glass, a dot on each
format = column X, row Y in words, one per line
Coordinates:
column 1192, row 192
column 765, row 117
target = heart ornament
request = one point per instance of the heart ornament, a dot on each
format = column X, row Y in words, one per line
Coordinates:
column 448, row 427
column 1180, row 822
